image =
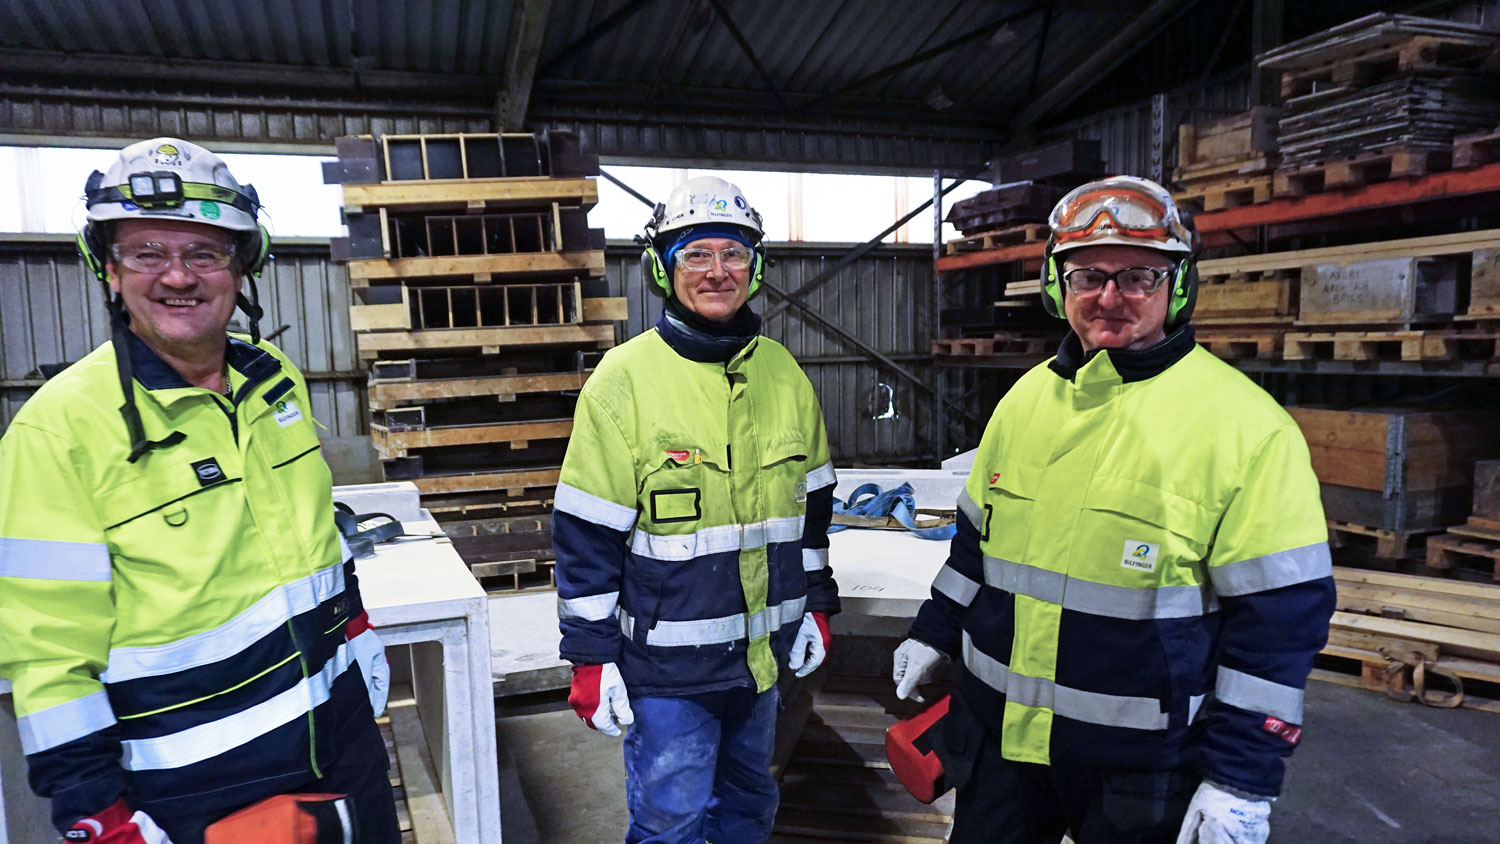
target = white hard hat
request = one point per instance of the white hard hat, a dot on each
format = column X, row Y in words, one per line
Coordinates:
column 167, row 178
column 707, row 200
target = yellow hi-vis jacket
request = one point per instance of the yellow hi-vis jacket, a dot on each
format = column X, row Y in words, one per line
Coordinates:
column 1140, row 578
column 691, row 521
column 175, row 627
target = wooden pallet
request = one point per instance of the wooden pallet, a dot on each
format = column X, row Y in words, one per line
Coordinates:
column 1256, row 295
column 518, row 480
column 1229, row 344
column 470, row 195
column 487, row 340
column 1412, row 54
column 1468, row 553
column 1389, row 544
column 1000, row 344
column 1475, row 150
column 1026, row 233
column 1393, row 345
column 1224, row 193
column 481, row 268
column 389, row 395
column 398, row 444
column 1356, row 172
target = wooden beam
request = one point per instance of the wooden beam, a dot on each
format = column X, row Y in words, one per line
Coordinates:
column 460, row 338
column 487, row 481
column 393, row 444
column 528, row 25
column 385, row 395
column 459, row 195
column 1081, row 76
column 588, row 262
column 424, row 802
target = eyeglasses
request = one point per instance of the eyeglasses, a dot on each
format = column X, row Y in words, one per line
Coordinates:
column 1135, row 282
column 733, row 258
column 154, row 259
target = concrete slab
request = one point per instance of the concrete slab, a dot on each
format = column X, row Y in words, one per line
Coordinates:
column 524, row 639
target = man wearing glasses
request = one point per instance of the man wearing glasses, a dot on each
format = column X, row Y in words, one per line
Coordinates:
column 179, row 615
column 691, row 531
column 1140, row 578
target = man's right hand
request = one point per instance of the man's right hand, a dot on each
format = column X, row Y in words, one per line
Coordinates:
column 116, row 825
column 598, row 696
column 914, row 664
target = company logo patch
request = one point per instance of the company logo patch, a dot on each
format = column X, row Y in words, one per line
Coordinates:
column 209, row 209
column 287, row 413
column 129, row 206
column 1277, row 727
column 208, row 472
column 740, row 203
column 167, row 155
column 721, row 205
column 994, row 479
column 800, row 494
column 679, row 456
column 1139, row 555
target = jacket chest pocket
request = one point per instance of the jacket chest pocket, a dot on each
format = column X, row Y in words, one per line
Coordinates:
column 682, row 485
column 783, row 475
column 1136, row 531
column 188, row 501
column 1007, row 509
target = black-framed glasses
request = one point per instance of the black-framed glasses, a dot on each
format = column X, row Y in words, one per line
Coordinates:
column 1135, row 282
column 733, row 258
column 154, row 259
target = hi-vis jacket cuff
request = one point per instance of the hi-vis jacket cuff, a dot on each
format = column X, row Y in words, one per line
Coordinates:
column 65, row 722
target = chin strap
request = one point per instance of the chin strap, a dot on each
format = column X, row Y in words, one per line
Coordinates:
column 251, row 306
column 119, row 321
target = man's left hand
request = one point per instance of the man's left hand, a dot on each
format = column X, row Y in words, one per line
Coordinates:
column 811, row 646
column 1217, row 817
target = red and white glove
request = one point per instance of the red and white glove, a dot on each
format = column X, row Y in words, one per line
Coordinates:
column 116, row 825
column 365, row 649
column 811, row 645
column 598, row 696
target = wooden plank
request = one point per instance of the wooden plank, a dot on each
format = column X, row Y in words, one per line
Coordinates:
column 379, row 317
column 471, row 337
column 385, row 395
column 1413, row 247
column 1245, row 299
column 1411, row 608
column 394, row 444
column 462, row 193
column 487, row 481
column 429, row 814
column 1435, row 585
column 605, row 309
column 1462, row 642
column 587, row 262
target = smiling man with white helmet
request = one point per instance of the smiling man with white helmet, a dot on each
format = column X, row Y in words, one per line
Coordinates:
column 179, row 616
column 1140, row 578
column 691, row 531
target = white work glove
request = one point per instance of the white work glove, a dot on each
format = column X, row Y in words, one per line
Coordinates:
column 1217, row 817
column 811, row 646
column 365, row 648
column 598, row 696
column 915, row 661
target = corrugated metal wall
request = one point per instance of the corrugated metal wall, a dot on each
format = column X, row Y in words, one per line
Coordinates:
column 52, row 311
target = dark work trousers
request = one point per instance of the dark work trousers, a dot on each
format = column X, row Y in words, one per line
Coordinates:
column 1006, row 802
column 362, row 774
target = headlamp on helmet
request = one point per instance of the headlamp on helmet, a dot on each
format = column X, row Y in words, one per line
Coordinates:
column 156, row 190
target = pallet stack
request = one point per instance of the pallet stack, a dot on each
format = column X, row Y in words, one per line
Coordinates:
column 1026, row 186
column 480, row 308
column 1381, row 97
column 1473, row 548
column 1227, row 163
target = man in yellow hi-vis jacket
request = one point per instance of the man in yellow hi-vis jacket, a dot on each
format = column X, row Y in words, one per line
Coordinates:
column 691, row 530
column 179, row 616
column 1140, row 577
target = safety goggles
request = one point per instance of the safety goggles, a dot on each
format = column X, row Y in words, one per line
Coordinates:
column 733, row 258
column 154, row 259
column 1130, row 211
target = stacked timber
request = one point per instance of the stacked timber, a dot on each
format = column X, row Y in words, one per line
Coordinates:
column 1227, row 163
column 1026, row 186
column 1396, row 474
column 1417, row 638
column 1381, row 97
column 480, row 308
column 1473, row 548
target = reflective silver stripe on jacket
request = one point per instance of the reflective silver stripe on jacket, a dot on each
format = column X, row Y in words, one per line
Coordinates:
column 718, row 631
column 590, row 607
column 717, row 540
column 1272, row 571
column 65, row 722
column 821, row 477
column 1137, row 713
column 51, row 559
column 949, row 582
column 814, row 559
column 592, row 508
column 1098, row 598
column 1256, row 694
column 972, row 511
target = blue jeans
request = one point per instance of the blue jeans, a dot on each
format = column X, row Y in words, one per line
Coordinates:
column 697, row 768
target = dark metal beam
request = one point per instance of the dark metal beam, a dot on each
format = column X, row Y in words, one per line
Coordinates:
column 794, row 298
column 1213, row 57
column 1080, row 77
column 972, row 35
column 528, row 25
column 749, row 51
column 1041, row 50
column 597, row 31
column 1266, row 23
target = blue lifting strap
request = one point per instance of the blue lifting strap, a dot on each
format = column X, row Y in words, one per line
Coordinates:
column 898, row 503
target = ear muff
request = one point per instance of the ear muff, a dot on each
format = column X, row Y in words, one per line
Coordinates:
column 1052, row 293
column 1184, row 295
column 92, row 248
column 654, row 273
column 757, row 272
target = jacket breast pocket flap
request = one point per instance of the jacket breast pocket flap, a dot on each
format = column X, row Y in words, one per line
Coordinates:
column 163, row 487
column 1154, row 506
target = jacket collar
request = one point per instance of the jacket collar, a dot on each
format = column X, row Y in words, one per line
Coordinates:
column 1132, row 365
column 705, row 342
column 153, row 373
